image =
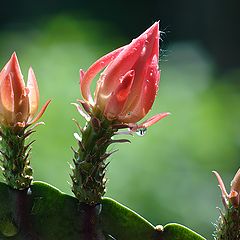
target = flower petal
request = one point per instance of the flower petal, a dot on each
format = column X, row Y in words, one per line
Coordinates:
column 221, row 185
column 117, row 69
column 43, row 109
column 139, row 107
column 119, row 97
column 149, row 122
column 93, row 71
column 235, row 184
column 146, row 80
column 150, row 87
column 7, row 100
column 21, row 108
column 18, row 84
column 33, row 94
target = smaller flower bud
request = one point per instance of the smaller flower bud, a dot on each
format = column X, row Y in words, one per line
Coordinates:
column 18, row 103
column 233, row 197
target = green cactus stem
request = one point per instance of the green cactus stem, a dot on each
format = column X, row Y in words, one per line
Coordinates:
column 228, row 225
column 15, row 157
column 91, row 222
column 89, row 181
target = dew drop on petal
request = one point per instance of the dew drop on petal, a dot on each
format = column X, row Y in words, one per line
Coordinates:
column 141, row 132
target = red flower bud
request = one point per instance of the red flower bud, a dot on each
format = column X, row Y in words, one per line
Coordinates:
column 18, row 104
column 128, row 86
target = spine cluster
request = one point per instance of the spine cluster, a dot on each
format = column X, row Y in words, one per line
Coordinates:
column 89, row 181
column 15, row 157
column 89, row 161
column 228, row 225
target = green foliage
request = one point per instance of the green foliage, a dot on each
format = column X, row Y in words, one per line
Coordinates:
column 43, row 212
column 122, row 223
column 175, row 231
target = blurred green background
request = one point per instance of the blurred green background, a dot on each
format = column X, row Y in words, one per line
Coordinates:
column 166, row 174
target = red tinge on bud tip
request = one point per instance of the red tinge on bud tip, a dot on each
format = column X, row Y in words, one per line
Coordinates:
column 128, row 85
column 18, row 104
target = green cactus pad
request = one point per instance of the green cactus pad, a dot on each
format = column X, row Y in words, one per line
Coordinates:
column 45, row 213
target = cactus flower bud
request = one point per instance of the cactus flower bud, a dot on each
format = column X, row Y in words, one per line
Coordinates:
column 128, row 86
column 233, row 198
column 18, row 103
column 227, row 227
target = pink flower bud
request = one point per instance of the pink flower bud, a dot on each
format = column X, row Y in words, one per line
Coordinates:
column 18, row 104
column 128, row 86
column 233, row 196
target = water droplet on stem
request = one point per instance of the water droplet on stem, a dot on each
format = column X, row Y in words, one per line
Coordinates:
column 141, row 132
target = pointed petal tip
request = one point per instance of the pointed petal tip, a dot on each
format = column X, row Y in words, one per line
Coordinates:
column 156, row 24
column 31, row 75
column 14, row 58
column 217, row 175
column 30, row 70
column 81, row 73
column 39, row 115
column 14, row 67
column 14, row 55
column 153, row 29
column 221, row 184
column 167, row 113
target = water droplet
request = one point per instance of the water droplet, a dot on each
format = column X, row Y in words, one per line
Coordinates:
column 29, row 192
column 98, row 208
column 143, row 51
column 141, row 132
